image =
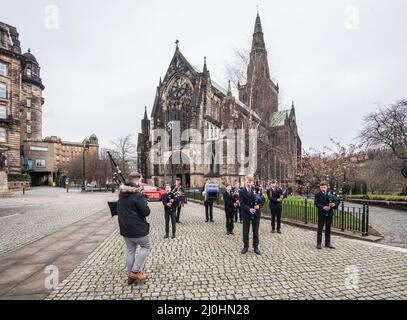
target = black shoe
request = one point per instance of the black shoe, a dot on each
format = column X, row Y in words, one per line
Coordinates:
column 257, row 251
column 173, row 236
column 330, row 246
column 244, row 250
column 206, row 220
column 231, row 233
column 273, row 231
column 227, row 233
column 212, row 220
column 319, row 246
column 130, row 281
column 278, row 231
column 166, row 236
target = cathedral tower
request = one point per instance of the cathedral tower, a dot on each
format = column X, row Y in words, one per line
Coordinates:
column 259, row 93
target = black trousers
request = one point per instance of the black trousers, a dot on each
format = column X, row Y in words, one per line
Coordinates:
column 238, row 213
column 229, row 220
column 178, row 212
column 209, row 210
column 255, row 222
column 324, row 221
column 276, row 215
column 170, row 216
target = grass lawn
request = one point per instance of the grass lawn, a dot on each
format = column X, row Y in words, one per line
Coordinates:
column 387, row 197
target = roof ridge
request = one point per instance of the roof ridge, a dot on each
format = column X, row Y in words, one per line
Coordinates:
column 224, row 91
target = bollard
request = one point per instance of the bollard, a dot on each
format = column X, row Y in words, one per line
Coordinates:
column 23, row 190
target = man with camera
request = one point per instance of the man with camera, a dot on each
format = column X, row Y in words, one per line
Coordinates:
column 326, row 205
column 170, row 202
column 133, row 209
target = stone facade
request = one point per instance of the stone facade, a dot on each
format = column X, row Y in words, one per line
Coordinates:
column 20, row 98
column 47, row 158
column 189, row 96
column 21, row 105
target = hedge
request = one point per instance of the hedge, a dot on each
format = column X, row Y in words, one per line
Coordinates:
column 19, row 177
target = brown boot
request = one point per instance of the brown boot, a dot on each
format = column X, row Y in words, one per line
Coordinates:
column 137, row 276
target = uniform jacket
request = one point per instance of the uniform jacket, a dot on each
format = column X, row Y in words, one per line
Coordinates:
column 229, row 206
column 247, row 201
column 166, row 199
column 321, row 201
column 273, row 195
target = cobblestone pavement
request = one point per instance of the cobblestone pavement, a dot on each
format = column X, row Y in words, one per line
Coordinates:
column 42, row 211
column 391, row 223
column 204, row 263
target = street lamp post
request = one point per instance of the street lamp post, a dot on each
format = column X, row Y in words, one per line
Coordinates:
column 85, row 145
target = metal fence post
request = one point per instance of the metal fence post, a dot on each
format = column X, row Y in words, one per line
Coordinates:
column 367, row 220
column 306, row 211
column 363, row 219
column 343, row 216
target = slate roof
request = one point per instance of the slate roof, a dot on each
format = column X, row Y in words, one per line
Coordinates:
column 222, row 90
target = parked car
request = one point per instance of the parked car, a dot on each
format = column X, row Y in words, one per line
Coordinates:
column 153, row 193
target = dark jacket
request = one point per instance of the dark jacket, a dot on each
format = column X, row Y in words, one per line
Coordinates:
column 181, row 200
column 273, row 197
column 247, row 201
column 228, row 199
column 132, row 210
column 322, row 200
column 165, row 200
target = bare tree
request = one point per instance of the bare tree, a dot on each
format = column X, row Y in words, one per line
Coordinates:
column 336, row 164
column 381, row 172
column 236, row 71
column 387, row 129
column 126, row 153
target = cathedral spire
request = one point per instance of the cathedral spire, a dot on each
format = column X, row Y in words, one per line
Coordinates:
column 258, row 36
column 205, row 68
column 258, row 66
column 229, row 89
column 145, row 113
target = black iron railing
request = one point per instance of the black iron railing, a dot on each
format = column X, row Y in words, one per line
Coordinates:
column 354, row 219
column 346, row 218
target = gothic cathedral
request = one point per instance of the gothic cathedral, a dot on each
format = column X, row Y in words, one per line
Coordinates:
column 191, row 98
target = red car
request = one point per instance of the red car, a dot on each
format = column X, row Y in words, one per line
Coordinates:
column 153, row 193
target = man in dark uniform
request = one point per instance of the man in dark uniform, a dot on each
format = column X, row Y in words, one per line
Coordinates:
column 170, row 202
column 251, row 215
column 178, row 189
column 208, row 203
column 275, row 195
column 326, row 206
column 238, row 209
column 229, row 208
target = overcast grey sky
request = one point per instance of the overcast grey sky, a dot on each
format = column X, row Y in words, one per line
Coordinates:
column 102, row 64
